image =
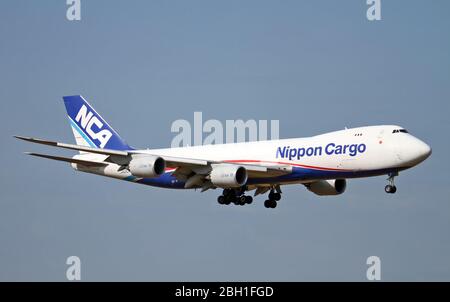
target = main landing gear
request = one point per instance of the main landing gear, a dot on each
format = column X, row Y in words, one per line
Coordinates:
column 234, row 196
column 273, row 198
column 238, row 197
column 391, row 188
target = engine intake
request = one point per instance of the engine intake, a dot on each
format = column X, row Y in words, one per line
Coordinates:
column 328, row 187
column 147, row 166
column 228, row 176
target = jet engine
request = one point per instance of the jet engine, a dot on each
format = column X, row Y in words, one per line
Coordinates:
column 147, row 166
column 328, row 187
column 228, row 176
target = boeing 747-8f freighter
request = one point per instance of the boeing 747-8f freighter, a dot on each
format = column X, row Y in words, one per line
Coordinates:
column 322, row 163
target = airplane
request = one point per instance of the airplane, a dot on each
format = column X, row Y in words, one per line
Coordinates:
column 321, row 163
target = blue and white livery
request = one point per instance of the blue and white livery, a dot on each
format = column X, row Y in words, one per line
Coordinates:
column 322, row 163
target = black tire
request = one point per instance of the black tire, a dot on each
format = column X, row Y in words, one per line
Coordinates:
column 221, row 199
column 267, row 203
column 271, row 196
column 228, row 199
column 389, row 189
column 276, row 196
column 394, row 189
column 273, row 204
column 242, row 200
column 248, row 199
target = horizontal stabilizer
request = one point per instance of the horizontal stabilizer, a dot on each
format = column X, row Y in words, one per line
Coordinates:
column 70, row 160
column 72, row 147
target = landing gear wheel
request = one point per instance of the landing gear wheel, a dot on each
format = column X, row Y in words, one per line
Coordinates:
column 271, row 195
column 390, row 189
column 229, row 199
column 242, row 200
column 270, row 204
column 276, row 196
column 221, row 199
column 248, row 199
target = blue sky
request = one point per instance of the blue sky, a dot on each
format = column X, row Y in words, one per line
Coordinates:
column 316, row 66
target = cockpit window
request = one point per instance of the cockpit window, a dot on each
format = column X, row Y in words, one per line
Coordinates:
column 400, row 130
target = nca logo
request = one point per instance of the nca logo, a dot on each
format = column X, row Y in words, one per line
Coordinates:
column 87, row 120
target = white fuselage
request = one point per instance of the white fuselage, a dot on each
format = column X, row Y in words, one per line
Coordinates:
column 349, row 153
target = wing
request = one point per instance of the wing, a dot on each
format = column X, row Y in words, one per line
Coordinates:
column 192, row 171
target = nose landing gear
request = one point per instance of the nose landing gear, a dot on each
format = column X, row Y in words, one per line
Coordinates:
column 391, row 188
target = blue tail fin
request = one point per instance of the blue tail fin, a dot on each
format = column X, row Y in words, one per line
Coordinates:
column 89, row 128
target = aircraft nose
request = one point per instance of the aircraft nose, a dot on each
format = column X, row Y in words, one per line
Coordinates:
column 413, row 151
column 423, row 151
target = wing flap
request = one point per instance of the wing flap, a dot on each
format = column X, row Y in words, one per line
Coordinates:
column 180, row 161
column 261, row 171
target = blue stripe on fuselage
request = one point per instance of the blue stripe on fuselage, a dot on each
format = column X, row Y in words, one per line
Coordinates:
column 305, row 174
column 167, row 180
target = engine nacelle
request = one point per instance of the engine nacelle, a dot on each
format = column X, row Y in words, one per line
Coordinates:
column 228, row 176
column 328, row 187
column 147, row 166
